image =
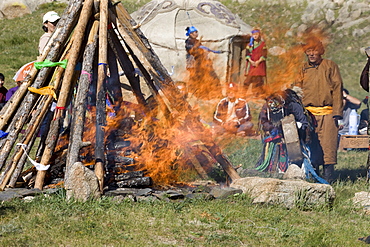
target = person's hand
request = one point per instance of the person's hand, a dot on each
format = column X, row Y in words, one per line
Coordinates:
column 230, row 126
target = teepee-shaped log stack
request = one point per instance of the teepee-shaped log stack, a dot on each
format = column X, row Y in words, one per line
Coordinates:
column 92, row 36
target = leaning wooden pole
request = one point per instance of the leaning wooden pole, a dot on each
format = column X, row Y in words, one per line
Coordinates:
column 164, row 84
column 79, row 109
column 126, row 65
column 100, row 93
column 78, row 37
column 52, row 53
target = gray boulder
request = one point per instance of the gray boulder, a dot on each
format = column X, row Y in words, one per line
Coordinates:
column 16, row 8
column 82, row 184
column 288, row 193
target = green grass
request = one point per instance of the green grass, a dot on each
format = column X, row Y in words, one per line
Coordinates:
column 52, row 221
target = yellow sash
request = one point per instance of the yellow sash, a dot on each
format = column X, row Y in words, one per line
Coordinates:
column 320, row 110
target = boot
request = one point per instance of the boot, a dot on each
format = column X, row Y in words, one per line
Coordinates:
column 329, row 173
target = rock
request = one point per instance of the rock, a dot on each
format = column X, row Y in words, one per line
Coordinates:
column 288, row 193
column 362, row 199
column 82, row 184
column 222, row 193
column 276, row 51
column 9, row 195
column 173, row 195
column 17, row 8
column 294, row 172
column 144, row 192
column 330, row 16
column 200, row 196
column 122, row 192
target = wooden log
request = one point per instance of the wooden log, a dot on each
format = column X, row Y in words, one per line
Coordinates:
column 163, row 83
column 126, row 65
column 79, row 109
column 135, row 182
column 65, row 90
column 113, row 85
column 19, row 157
column 52, row 53
column 38, row 116
column 79, row 33
column 100, row 94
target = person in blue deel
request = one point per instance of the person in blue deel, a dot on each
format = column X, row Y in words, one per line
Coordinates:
column 203, row 81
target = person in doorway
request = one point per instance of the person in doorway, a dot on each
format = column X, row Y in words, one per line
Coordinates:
column 50, row 21
column 3, row 91
column 232, row 114
column 203, row 81
column 256, row 62
column 349, row 103
column 322, row 87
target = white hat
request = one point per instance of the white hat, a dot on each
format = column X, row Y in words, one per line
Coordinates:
column 51, row 16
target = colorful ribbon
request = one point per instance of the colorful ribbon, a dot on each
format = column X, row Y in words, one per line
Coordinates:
column 48, row 63
column 48, row 90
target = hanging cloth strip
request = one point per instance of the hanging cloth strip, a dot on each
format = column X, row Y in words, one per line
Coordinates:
column 307, row 166
column 48, row 63
column 48, row 90
column 39, row 167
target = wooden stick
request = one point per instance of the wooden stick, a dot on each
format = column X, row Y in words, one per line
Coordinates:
column 100, row 94
column 126, row 65
column 79, row 33
column 79, row 109
column 65, row 90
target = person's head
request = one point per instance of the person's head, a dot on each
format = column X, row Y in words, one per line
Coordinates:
column 18, row 83
column 256, row 34
column 192, row 32
column 232, row 91
column 50, row 20
column 314, row 49
column 2, row 80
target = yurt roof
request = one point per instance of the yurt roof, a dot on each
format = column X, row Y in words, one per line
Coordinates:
column 164, row 21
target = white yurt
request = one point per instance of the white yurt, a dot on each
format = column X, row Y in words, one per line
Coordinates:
column 164, row 22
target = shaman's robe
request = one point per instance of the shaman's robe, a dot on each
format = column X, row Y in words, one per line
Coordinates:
column 322, row 87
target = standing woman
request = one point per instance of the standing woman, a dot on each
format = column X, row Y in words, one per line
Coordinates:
column 256, row 62
column 50, row 20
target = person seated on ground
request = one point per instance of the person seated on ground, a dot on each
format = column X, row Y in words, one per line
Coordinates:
column 233, row 114
column 50, row 21
column 11, row 91
column 274, row 157
column 349, row 103
column 3, row 91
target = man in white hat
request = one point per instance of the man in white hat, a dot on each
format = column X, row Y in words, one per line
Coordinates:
column 50, row 20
